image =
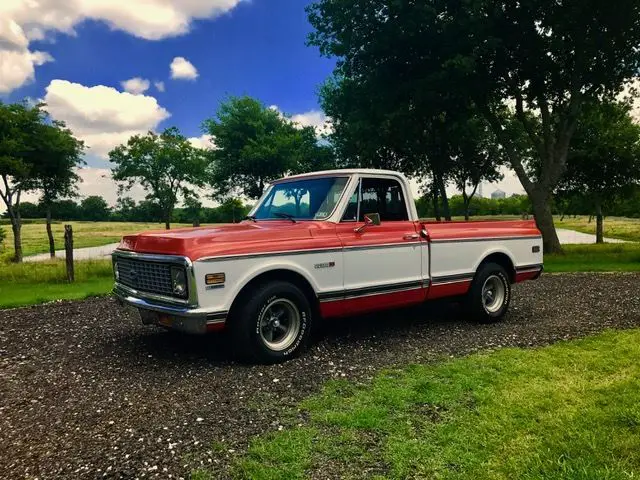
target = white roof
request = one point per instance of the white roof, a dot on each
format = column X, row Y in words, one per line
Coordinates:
column 344, row 171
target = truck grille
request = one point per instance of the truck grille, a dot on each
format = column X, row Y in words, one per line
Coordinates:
column 145, row 276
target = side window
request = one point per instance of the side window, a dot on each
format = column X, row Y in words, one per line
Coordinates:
column 351, row 213
column 385, row 197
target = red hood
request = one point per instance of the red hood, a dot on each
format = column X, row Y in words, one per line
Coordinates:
column 231, row 239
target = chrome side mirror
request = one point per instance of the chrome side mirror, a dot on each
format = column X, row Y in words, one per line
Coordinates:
column 369, row 220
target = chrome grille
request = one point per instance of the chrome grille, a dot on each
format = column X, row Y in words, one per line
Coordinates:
column 145, row 276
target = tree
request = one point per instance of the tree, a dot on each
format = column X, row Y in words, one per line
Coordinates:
column 193, row 210
column 478, row 158
column 546, row 57
column 94, row 208
column 604, row 160
column 19, row 127
column 255, row 145
column 167, row 166
column 58, row 154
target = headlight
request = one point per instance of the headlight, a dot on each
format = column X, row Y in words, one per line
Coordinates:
column 179, row 281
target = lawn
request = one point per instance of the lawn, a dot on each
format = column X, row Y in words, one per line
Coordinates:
column 608, row 257
column 614, row 227
column 571, row 410
column 85, row 234
column 32, row 283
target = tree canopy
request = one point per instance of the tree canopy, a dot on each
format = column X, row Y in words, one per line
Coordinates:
column 545, row 57
column 255, row 145
column 167, row 166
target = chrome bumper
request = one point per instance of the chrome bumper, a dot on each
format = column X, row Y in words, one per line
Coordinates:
column 174, row 316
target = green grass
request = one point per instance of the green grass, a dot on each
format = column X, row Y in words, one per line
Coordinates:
column 614, row 227
column 571, row 410
column 85, row 234
column 610, row 257
column 25, row 294
column 32, row 283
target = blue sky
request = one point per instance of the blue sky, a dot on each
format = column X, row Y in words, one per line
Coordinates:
column 77, row 54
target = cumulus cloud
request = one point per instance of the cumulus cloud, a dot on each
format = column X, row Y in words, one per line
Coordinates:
column 25, row 21
column 159, row 86
column 135, row 85
column 183, row 69
column 203, row 141
column 102, row 116
column 313, row 118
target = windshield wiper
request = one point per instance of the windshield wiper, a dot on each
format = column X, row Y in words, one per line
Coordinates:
column 251, row 217
column 285, row 215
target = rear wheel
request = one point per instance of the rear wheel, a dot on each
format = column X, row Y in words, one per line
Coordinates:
column 490, row 293
column 272, row 323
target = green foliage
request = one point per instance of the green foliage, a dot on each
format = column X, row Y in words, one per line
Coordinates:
column 402, row 62
column 94, row 208
column 255, row 145
column 3, row 236
column 167, row 166
column 565, row 411
column 608, row 257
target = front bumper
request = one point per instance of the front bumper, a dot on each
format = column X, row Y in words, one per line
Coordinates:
column 174, row 316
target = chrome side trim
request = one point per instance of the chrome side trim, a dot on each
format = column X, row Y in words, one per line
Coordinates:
column 371, row 291
column 269, row 254
column 484, row 239
column 528, row 268
column 459, row 277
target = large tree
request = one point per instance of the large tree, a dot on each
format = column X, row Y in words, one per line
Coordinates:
column 167, row 166
column 546, row 56
column 20, row 125
column 58, row 153
column 255, row 145
column 604, row 160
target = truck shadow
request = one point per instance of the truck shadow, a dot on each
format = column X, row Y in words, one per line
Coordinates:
column 376, row 328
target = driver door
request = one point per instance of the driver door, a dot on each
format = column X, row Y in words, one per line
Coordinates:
column 382, row 263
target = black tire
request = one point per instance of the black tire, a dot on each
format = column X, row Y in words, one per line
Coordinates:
column 490, row 294
column 271, row 308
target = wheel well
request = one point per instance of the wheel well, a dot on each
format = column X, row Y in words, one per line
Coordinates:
column 282, row 275
column 504, row 261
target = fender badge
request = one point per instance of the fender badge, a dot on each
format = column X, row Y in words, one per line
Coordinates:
column 325, row 265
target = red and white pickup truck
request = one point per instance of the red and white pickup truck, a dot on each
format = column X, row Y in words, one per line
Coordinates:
column 320, row 245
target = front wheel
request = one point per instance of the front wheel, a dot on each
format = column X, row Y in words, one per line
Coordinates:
column 490, row 293
column 271, row 323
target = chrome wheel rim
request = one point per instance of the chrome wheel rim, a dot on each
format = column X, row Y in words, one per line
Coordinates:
column 493, row 294
column 279, row 324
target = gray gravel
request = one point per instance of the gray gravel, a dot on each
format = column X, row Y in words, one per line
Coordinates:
column 88, row 392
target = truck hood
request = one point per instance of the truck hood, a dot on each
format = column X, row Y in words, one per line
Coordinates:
column 231, row 239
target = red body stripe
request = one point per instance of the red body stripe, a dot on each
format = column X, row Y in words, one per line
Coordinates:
column 449, row 289
column 355, row 306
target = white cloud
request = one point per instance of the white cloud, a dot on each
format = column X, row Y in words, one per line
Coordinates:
column 135, row 85
column 22, row 21
column 183, row 69
column 203, row 141
column 102, row 116
column 316, row 119
column 159, row 86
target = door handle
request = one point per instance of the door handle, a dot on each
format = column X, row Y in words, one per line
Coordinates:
column 411, row 236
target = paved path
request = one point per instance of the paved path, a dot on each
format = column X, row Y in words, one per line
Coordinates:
column 88, row 253
column 566, row 237
column 571, row 236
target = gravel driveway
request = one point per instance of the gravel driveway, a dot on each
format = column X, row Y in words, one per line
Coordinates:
column 87, row 392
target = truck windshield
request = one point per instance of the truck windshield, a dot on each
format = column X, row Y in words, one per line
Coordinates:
column 306, row 199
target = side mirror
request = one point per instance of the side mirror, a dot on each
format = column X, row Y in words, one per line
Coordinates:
column 369, row 220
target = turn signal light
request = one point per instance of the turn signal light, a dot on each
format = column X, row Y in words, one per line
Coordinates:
column 214, row 278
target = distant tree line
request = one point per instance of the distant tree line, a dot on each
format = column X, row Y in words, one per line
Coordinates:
column 96, row 209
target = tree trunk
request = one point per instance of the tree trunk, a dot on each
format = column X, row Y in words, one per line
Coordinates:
column 68, row 248
column 466, row 201
column 52, row 245
column 16, row 227
column 445, row 201
column 436, row 206
column 599, row 222
column 541, row 207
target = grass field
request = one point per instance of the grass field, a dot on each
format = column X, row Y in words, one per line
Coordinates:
column 32, row 283
column 614, row 227
column 566, row 411
column 609, row 257
column 85, row 234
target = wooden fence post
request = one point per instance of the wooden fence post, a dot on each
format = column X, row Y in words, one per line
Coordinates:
column 68, row 248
